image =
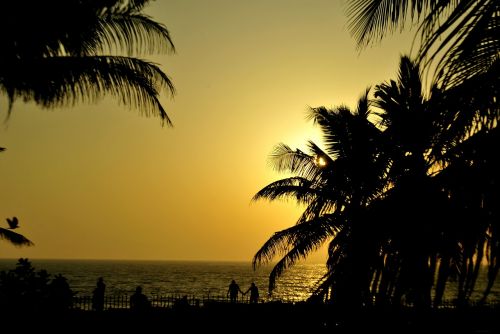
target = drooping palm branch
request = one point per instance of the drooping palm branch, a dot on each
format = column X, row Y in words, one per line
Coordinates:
column 78, row 51
column 295, row 243
column 461, row 38
column 14, row 238
column 64, row 80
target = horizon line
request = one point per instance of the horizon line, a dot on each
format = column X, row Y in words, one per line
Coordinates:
column 31, row 259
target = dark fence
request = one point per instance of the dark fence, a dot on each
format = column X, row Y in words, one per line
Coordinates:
column 170, row 301
column 157, row 301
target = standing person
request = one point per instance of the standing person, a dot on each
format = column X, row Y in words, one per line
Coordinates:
column 98, row 295
column 254, row 293
column 233, row 290
column 138, row 301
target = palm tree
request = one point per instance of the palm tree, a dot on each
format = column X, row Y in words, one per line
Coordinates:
column 462, row 38
column 61, row 53
column 471, row 183
column 388, row 196
column 332, row 183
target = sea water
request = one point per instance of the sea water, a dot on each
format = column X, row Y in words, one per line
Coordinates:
column 193, row 278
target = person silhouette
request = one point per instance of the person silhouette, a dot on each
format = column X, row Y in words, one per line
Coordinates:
column 254, row 293
column 233, row 290
column 98, row 295
column 182, row 303
column 138, row 301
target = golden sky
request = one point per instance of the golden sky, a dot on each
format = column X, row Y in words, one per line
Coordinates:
column 102, row 182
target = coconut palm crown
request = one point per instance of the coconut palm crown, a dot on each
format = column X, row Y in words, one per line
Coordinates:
column 59, row 53
column 402, row 196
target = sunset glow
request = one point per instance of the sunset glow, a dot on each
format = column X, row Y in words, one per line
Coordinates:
column 100, row 181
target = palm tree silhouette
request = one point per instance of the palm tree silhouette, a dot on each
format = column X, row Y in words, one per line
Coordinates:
column 462, row 38
column 465, row 49
column 61, row 53
column 471, row 182
column 14, row 238
column 332, row 183
column 390, row 196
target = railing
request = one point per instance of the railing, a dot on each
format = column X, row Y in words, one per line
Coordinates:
column 157, row 301
column 171, row 301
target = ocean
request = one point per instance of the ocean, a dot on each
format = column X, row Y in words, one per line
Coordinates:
column 192, row 278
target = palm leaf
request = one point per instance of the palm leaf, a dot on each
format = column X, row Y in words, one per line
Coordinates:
column 460, row 37
column 370, row 20
column 14, row 238
column 471, row 42
column 295, row 187
column 284, row 159
column 54, row 48
column 64, row 81
column 295, row 243
column 134, row 33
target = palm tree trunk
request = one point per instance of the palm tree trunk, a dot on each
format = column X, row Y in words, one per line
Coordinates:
column 443, row 274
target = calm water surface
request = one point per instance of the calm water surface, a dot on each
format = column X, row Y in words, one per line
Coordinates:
column 176, row 277
column 199, row 279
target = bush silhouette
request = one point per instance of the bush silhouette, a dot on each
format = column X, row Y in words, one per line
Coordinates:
column 24, row 289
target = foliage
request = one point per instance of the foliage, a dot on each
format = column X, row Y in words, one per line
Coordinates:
column 403, row 192
column 25, row 289
column 411, row 204
column 62, row 53
column 14, row 238
column 461, row 38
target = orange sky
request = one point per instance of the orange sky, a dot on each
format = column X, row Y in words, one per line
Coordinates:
column 100, row 181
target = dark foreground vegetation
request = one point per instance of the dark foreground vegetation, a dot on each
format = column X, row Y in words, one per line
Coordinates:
column 262, row 318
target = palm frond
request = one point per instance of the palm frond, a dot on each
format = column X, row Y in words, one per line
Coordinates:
column 364, row 103
column 465, row 110
column 132, row 30
column 470, row 44
column 370, row 20
column 283, row 241
column 284, row 159
column 321, row 158
column 69, row 80
column 278, row 243
column 458, row 38
column 336, row 126
column 134, row 33
column 294, row 187
column 323, row 207
column 295, row 243
column 53, row 48
column 14, row 238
